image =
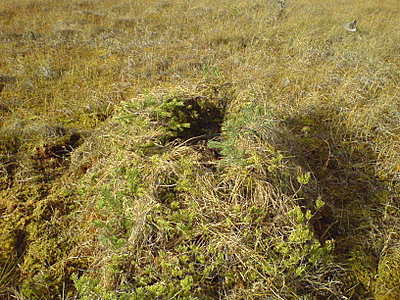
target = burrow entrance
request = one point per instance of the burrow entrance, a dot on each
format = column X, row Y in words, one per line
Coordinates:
column 192, row 119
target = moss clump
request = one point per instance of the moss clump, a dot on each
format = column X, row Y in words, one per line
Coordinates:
column 388, row 281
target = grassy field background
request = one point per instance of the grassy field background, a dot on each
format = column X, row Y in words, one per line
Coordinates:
column 199, row 149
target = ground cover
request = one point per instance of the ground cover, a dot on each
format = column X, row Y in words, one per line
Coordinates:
column 199, row 150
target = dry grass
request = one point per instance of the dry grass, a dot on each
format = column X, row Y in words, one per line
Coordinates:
column 107, row 190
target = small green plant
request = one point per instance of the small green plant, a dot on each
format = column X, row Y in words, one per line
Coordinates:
column 173, row 112
column 302, row 252
column 116, row 208
column 88, row 288
column 304, row 178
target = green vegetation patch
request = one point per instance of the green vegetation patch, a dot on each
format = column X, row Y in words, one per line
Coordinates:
column 169, row 225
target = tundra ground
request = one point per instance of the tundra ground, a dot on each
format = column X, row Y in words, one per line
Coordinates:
column 157, row 149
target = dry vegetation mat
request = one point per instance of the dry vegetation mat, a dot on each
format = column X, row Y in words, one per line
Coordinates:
column 157, row 149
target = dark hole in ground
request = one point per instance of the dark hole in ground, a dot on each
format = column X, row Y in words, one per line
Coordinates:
column 20, row 242
column 50, row 160
column 59, row 150
column 194, row 119
column 166, row 192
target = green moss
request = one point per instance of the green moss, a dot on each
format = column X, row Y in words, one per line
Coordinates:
column 387, row 285
column 364, row 268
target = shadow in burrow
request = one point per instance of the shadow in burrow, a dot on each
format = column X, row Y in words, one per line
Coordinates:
column 202, row 118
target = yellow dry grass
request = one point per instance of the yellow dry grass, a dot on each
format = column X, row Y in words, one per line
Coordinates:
column 90, row 112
